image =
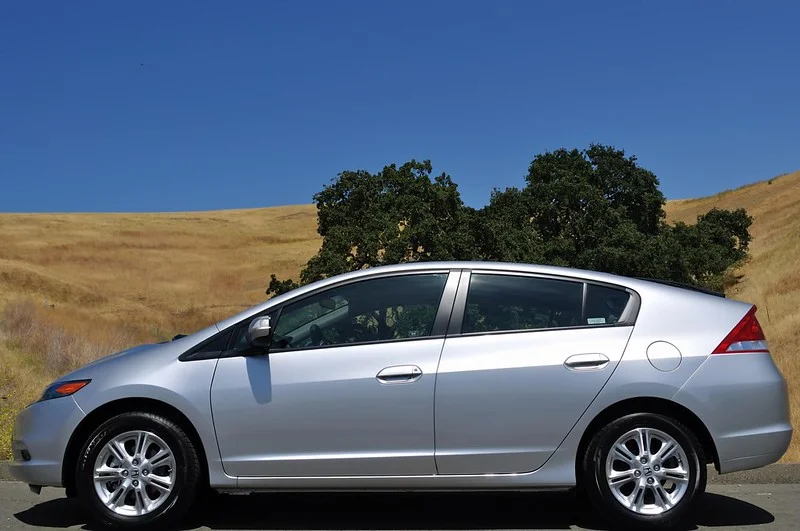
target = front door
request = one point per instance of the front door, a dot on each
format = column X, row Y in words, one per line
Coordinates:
column 531, row 356
column 346, row 389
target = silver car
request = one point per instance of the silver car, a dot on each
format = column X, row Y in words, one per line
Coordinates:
column 426, row 376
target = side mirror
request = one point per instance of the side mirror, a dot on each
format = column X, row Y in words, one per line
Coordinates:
column 259, row 333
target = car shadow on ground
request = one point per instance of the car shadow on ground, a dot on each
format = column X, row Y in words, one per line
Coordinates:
column 402, row 511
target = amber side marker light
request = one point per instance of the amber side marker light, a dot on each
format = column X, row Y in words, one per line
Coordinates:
column 59, row 389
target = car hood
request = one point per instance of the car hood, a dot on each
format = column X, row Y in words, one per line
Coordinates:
column 98, row 363
column 132, row 359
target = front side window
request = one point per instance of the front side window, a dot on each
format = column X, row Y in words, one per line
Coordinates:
column 507, row 302
column 382, row 309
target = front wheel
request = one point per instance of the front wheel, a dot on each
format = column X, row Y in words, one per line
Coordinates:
column 137, row 470
column 644, row 470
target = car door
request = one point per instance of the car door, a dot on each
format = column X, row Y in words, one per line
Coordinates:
column 346, row 388
column 526, row 357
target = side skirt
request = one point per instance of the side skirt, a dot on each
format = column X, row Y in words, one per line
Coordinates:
column 489, row 482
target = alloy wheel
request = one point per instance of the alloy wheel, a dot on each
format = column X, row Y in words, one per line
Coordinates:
column 647, row 471
column 134, row 473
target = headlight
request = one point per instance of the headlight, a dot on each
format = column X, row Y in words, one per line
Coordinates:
column 59, row 389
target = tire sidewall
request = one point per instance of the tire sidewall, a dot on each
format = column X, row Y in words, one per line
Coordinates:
column 604, row 499
column 107, row 431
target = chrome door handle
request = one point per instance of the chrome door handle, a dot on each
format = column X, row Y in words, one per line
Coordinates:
column 586, row 362
column 400, row 374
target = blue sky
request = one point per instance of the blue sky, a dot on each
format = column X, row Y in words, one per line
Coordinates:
column 153, row 106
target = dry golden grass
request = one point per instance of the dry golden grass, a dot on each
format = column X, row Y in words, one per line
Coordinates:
column 154, row 273
column 771, row 278
column 22, row 379
column 76, row 286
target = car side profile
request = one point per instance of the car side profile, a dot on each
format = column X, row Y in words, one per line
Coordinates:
column 438, row 376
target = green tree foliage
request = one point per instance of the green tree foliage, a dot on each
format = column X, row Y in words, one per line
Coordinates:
column 593, row 209
column 588, row 209
column 708, row 249
column 397, row 215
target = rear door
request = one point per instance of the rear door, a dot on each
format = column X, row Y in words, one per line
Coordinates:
column 524, row 358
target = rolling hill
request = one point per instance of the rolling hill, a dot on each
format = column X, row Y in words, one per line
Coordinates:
column 771, row 277
column 76, row 286
column 151, row 269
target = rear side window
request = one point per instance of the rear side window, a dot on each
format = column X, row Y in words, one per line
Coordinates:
column 505, row 302
column 604, row 305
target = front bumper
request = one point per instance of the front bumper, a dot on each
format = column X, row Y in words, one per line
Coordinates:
column 39, row 440
column 744, row 402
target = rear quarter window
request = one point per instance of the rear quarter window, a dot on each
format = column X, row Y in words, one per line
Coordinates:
column 604, row 305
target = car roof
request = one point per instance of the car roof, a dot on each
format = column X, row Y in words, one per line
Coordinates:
column 489, row 266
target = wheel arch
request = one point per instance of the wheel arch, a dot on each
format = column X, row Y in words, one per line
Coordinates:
column 658, row 406
column 125, row 405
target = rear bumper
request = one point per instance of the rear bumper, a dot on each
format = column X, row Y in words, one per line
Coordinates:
column 753, row 449
column 746, row 463
column 743, row 401
column 39, row 440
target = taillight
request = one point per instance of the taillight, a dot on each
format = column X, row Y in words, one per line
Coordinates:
column 747, row 336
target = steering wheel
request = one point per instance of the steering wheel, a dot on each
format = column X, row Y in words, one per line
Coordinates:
column 315, row 332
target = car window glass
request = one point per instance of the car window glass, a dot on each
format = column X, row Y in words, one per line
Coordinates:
column 507, row 302
column 218, row 344
column 604, row 305
column 383, row 309
column 214, row 346
column 240, row 343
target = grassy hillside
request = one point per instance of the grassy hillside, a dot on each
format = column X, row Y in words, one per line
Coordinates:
column 77, row 286
column 771, row 278
column 147, row 268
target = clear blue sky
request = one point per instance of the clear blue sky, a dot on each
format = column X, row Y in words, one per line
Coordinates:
column 172, row 105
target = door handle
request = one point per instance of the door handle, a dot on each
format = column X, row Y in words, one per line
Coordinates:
column 586, row 362
column 399, row 374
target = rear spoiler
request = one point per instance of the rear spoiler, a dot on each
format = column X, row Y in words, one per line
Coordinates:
column 684, row 285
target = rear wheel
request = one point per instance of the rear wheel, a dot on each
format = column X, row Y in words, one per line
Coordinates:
column 644, row 470
column 137, row 470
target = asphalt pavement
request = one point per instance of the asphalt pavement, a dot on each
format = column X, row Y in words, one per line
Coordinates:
column 725, row 507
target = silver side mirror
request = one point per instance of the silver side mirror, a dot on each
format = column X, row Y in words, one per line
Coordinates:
column 259, row 332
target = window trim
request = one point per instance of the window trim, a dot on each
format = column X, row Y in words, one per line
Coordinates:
column 460, row 306
column 439, row 330
column 628, row 317
column 345, row 345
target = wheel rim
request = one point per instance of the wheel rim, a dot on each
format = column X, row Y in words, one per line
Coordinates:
column 134, row 473
column 647, row 471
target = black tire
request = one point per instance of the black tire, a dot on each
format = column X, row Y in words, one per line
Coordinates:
column 187, row 472
column 595, row 482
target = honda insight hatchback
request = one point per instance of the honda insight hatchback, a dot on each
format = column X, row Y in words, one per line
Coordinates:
column 427, row 376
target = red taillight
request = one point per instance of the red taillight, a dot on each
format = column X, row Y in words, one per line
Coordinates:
column 747, row 336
